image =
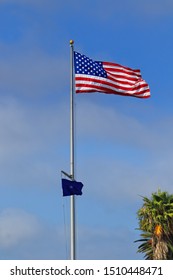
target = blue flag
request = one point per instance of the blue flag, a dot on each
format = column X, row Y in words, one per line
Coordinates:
column 71, row 187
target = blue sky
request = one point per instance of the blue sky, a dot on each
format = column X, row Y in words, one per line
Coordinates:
column 123, row 145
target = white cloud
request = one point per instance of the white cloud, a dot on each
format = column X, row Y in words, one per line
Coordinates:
column 155, row 7
column 141, row 8
column 31, row 72
column 108, row 124
column 17, row 226
column 119, row 146
column 122, row 156
column 42, row 6
column 106, row 243
column 33, row 143
column 147, row 8
column 23, row 2
column 26, row 130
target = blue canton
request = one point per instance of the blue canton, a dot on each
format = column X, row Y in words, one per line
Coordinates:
column 87, row 66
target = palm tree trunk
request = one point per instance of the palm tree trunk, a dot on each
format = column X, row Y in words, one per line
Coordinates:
column 160, row 251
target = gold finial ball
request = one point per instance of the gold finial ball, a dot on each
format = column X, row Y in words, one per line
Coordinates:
column 71, row 42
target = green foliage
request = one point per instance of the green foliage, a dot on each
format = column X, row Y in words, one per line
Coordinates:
column 155, row 213
column 146, row 247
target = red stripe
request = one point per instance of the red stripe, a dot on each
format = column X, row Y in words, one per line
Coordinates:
column 105, row 90
column 98, row 89
column 122, row 71
column 141, row 95
column 108, row 83
column 117, row 77
column 120, row 66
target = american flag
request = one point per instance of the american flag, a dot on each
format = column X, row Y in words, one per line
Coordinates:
column 107, row 77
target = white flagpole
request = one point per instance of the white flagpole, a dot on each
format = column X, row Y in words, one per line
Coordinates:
column 72, row 198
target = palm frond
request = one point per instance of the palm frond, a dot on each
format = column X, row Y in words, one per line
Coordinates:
column 155, row 219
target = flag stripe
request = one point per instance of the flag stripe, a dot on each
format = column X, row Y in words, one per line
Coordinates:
column 103, row 84
column 145, row 94
column 115, row 70
column 111, row 82
column 120, row 67
column 122, row 79
column 139, row 93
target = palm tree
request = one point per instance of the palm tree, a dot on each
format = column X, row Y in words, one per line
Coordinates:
column 156, row 223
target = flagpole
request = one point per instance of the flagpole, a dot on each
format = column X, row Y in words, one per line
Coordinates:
column 72, row 197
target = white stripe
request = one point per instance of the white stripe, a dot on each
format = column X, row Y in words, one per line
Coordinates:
column 106, row 87
column 126, row 76
column 96, row 81
column 121, row 68
column 135, row 93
